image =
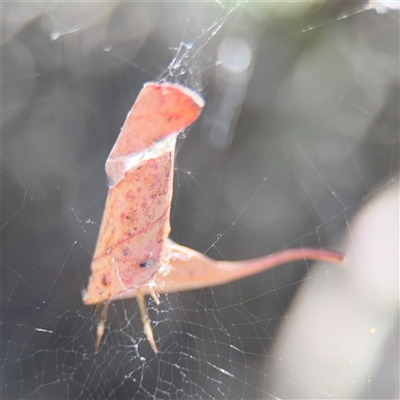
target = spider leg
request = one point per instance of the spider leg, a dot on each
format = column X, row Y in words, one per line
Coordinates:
column 154, row 295
column 100, row 324
column 146, row 320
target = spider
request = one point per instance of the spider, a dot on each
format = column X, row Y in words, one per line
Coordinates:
column 133, row 255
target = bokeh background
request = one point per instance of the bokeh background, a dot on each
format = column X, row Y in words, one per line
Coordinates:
column 299, row 135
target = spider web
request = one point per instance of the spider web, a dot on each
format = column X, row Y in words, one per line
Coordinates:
column 297, row 146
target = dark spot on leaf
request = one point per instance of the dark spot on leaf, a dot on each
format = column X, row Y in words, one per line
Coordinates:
column 147, row 264
column 125, row 252
column 104, row 280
